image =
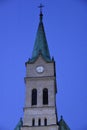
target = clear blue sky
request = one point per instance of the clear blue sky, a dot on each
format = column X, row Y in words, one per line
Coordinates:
column 65, row 24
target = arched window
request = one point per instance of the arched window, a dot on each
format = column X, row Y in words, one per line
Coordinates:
column 39, row 122
column 33, row 122
column 34, row 97
column 45, row 122
column 45, row 96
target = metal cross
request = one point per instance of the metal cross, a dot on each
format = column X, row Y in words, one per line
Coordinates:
column 40, row 6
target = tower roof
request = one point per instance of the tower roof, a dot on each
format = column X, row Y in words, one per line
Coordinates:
column 19, row 125
column 63, row 125
column 40, row 45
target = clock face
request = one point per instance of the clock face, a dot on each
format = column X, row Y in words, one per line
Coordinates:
column 40, row 69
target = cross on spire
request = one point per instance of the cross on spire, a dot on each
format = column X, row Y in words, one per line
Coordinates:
column 41, row 15
column 40, row 6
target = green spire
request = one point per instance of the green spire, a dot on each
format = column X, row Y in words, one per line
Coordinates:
column 63, row 125
column 41, row 46
column 19, row 125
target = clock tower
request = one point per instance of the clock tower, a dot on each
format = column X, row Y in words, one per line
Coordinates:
column 40, row 107
column 40, row 81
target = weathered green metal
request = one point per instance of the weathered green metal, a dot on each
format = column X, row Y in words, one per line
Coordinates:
column 63, row 125
column 41, row 46
column 19, row 125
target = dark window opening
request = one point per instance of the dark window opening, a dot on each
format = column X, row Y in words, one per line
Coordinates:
column 45, row 122
column 33, row 122
column 34, row 97
column 45, row 96
column 39, row 122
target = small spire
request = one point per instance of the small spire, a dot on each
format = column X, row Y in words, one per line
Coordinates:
column 21, row 119
column 41, row 14
column 61, row 117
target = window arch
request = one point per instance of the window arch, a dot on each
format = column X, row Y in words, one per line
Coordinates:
column 45, row 96
column 45, row 122
column 33, row 122
column 39, row 122
column 34, row 97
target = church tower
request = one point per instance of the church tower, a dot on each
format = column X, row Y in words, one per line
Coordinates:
column 40, row 107
column 40, row 81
